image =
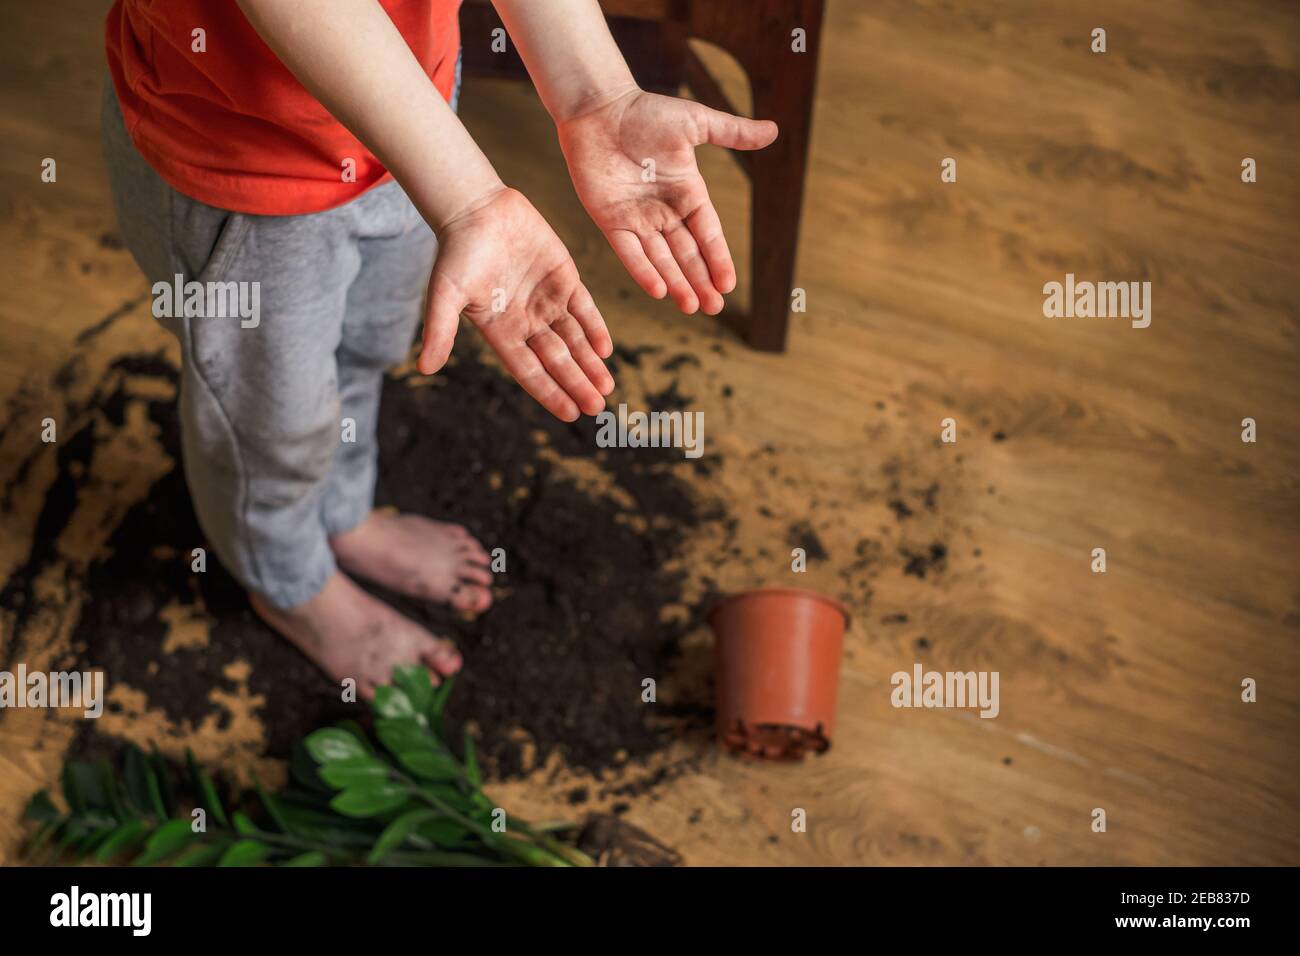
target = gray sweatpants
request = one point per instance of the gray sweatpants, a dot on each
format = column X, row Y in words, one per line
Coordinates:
column 278, row 415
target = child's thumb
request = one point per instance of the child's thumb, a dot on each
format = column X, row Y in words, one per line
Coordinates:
column 441, row 321
column 738, row 132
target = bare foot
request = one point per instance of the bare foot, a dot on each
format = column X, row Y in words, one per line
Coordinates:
column 412, row 555
column 349, row 633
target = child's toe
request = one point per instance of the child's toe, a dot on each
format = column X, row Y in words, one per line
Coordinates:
column 471, row 598
column 442, row 656
column 476, row 574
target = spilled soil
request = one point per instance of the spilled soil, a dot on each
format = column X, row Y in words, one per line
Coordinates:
column 562, row 654
column 612, row 559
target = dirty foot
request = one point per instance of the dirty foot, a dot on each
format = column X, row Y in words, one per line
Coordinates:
column 417, row 557
column 349, row 633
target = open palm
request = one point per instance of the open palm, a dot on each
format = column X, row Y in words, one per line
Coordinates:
column 633, row 164
column 509, row 273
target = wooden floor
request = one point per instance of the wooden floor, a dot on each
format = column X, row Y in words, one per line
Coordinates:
column 1119, row 691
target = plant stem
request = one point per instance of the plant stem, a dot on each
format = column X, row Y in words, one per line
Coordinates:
column 570, row 854
column 288, row 841
column 530, row 853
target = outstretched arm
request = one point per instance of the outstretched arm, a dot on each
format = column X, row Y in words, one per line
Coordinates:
column 499, row 262
column 632, row 154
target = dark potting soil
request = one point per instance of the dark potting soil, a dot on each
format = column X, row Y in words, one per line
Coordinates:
column 801, row 535
column 562, row 653
column 918, row 563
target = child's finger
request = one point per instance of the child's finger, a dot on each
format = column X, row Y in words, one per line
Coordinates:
column 555, row 355
column 687, row 253
column 580, row 348
column 628, row 249
column 527, row 369
column 706, row 227
column 441, row 322
column 656, row 248
column 737, row 132
column 583, row 308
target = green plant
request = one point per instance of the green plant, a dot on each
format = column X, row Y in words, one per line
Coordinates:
column 403, row 800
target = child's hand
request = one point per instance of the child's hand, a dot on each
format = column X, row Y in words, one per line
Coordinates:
column 632, row 160
column 500, row 264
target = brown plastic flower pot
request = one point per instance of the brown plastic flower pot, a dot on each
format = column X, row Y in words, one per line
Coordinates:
column 777, row 671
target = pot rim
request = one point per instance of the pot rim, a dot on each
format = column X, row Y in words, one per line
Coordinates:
column 776, row 592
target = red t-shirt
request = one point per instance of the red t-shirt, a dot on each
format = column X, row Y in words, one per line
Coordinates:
column 231, row 126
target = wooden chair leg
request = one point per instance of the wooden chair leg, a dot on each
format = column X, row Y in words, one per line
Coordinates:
column 777, row 180
column 783, row 83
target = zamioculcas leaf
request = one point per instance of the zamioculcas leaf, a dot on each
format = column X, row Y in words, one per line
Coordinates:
column 444, row 832
column 479, row 828
column 245, row 853
column 370, row 801
column 87, row 782
column 428, row 766
column 137, row 780
column 73, row 831
column 72, row 789
column 330, row 744
column 339, row 836
column 456, row 799
column 402, row 734
column 155, row 794
column 414, row 682
column 108, row 784
column 166, row 793
column 392, row 702
column 440, row 696
column 354, row 772
column 471, row 763
column 207, row 790
column 124, row 838
column 314, row 858
column 201, row 854
column 93, row 839
column 397, row 831
column 273, row 808
column 354, row 728
column 166, row 840
column 324, row 825
column 41, row 808
column 304, row 770
column 436, row 706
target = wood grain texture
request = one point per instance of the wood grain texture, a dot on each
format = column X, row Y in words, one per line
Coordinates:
column 1120, row 690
